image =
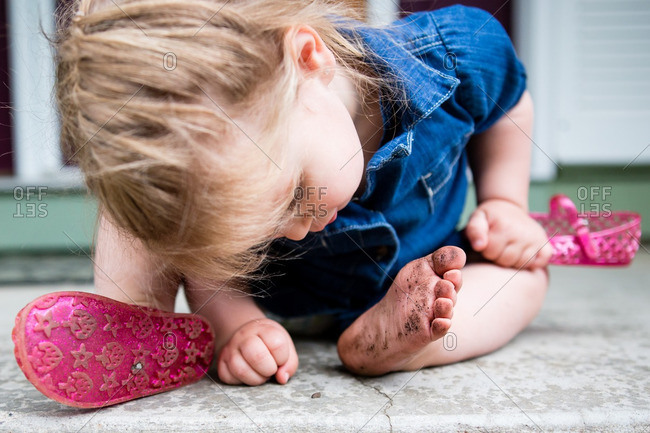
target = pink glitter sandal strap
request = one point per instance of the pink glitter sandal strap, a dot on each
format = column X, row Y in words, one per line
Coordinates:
column 85, row 350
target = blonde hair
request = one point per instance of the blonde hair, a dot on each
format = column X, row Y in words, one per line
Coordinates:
column 155, row 143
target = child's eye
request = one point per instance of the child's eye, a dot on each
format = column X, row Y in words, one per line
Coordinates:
column 292, row 205
column 297, row 196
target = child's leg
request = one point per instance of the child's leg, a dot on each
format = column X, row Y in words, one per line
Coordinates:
column 403, row 331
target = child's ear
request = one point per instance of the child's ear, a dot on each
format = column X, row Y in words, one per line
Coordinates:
column 311, row 56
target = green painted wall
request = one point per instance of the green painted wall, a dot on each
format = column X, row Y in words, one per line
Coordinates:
column 52, row 221
column 64, row 220
column 595, row 189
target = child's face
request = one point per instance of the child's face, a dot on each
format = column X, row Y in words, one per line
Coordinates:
column 326, row 149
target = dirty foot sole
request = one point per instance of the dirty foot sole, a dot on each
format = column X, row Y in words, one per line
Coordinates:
column 85, row 350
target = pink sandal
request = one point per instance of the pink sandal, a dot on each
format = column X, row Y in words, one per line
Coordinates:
column 85, row 350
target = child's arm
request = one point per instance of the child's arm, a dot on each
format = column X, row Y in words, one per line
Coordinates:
column 500, row 228
column 252, row 348
column 126, row 272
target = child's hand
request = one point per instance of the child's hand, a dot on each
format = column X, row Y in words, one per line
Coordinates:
column 505, row 234
column 257, row 351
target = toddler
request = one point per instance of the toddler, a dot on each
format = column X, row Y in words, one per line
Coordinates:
column 283, row 149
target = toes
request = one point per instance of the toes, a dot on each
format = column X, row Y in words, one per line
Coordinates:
column 443, row 308
column 455, row 276
column 439, row 327
column 445, row 289
column 447, row 258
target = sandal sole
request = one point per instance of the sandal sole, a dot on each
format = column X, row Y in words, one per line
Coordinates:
column 89, row 351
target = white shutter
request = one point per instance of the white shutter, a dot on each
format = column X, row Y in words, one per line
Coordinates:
column 588, row 63
column 35, row 124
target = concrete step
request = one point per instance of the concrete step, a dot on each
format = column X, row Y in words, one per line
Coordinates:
column 582, row 366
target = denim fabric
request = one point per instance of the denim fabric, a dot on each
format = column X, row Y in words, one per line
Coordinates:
column 460, row 73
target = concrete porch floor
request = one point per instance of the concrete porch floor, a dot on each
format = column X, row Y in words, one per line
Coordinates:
column 582, row 366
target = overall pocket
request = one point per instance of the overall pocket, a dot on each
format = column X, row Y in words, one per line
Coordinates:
column 436, row 182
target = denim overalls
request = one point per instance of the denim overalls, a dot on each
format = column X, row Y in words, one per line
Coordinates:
column 460, row 74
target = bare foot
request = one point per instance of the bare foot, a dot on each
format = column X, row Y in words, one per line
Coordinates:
column 416, row 311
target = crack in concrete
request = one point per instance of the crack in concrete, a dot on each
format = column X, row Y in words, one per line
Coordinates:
column 385, row 407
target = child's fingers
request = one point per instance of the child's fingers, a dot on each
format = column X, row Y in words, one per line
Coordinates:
column 241, row 370
column 543, row 257
column 477, row 230
column 528, row 258
column 225, row 375
column 511, row 256
column 497, row 244
column 278, row 343
column 256, row 354
column 289, row 369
